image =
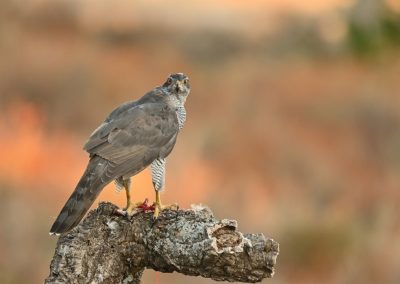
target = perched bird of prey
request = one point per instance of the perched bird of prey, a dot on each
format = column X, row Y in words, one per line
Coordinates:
column 135, row 135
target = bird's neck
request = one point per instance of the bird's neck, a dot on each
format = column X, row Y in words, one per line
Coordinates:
column 173, row 101
column 179, row 107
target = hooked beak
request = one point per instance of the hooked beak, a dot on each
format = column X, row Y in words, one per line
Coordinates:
column 178, row 87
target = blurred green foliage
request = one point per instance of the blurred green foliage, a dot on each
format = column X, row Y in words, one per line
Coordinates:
column 373, row 35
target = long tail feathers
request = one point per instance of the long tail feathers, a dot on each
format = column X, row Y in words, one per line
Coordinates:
column 87, row 190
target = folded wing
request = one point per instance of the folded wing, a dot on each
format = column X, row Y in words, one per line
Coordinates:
column 132, row 141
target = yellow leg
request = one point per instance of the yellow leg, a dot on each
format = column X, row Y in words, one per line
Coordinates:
column 130, row 207
column 160, row 207
column 128, row 196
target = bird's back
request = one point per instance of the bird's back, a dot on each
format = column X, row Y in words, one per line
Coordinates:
column 130, row 138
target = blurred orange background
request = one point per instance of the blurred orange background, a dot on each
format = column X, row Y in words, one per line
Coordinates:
column 293, row 123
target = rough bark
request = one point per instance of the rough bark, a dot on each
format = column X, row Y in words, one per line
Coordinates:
column 107, row 248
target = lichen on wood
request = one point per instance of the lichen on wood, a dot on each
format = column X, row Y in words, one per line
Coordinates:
column 108, row 248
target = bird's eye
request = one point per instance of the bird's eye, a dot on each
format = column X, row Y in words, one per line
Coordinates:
column 169, row 81
column 185, row 81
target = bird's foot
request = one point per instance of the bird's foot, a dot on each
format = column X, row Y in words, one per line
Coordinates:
column 159, row 208
column 134, row 208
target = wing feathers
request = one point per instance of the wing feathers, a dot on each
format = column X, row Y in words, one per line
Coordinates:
column 144, row 129
column 132, row 136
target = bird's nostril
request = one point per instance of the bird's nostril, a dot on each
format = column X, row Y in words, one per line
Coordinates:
column 177, row 88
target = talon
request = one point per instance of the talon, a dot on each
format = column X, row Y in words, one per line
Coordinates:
column 157, row 211
column 159, row 208
column 132, row 209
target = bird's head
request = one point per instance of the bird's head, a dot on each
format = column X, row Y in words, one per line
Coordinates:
column 177, row 86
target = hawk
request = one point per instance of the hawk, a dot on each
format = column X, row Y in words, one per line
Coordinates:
column 135, row 135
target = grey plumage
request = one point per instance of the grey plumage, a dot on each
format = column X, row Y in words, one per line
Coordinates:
column 132, row 137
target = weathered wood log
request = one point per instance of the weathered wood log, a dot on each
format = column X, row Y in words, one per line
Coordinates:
column 108, row 248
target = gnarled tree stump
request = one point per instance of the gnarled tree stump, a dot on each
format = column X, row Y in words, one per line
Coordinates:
column 107, row 248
